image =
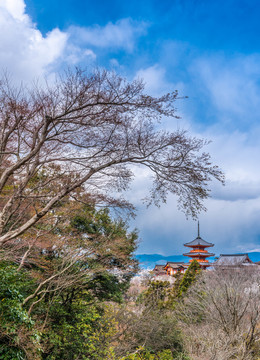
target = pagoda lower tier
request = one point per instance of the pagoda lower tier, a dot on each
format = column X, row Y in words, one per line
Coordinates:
column 201, row 256
column 198, row 251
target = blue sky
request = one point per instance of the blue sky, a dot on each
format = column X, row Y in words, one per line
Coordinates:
column 208, row 50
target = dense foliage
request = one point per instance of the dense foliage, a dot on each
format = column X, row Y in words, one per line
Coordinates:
column 66, row 300
column 18, row 334
column 56, row 306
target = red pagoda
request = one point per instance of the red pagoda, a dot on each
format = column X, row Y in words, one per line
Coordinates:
column 198, row 251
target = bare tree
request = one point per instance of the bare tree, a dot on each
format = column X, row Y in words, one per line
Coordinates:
column 221, row 315
column 83, row 133
column 136, row 328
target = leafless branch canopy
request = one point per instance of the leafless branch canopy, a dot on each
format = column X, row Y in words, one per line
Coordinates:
column 83, row 132
column 220, row 317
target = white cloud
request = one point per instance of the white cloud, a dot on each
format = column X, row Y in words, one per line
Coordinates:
column 238, row 154
column 233, row 226
column 122, row 34
column 231, row 84
column 232, row 220
column 25, row 52
column 231, row 92
column 73, row 55
column 114, row 63
column 227, row 90
column 15, row 8
column 156, row 82
column 154, row 78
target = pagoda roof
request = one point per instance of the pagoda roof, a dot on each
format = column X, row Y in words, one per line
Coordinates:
column 208, row 264
column 197, row 253
column 198, row 242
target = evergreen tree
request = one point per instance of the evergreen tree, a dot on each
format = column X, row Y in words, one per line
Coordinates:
column 188, row 278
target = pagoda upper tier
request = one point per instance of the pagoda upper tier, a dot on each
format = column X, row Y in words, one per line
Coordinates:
column 198, row 251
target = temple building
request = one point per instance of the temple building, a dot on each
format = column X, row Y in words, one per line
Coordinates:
column 173, row 267
column 159, row 270
column 198, row 251
column 229, row 261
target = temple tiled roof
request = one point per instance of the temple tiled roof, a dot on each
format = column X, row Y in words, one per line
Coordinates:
column 158, row 267
column 233, row 260
column 174, row 264
column 159, row 270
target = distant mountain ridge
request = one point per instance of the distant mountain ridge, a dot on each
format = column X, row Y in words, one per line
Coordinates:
column 150, row 260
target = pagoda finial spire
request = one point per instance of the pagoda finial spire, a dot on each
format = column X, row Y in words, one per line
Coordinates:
column 198, row 229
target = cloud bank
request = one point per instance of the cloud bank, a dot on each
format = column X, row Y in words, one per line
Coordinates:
column 228, row 91
column 121, row 35
column 25, row 52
